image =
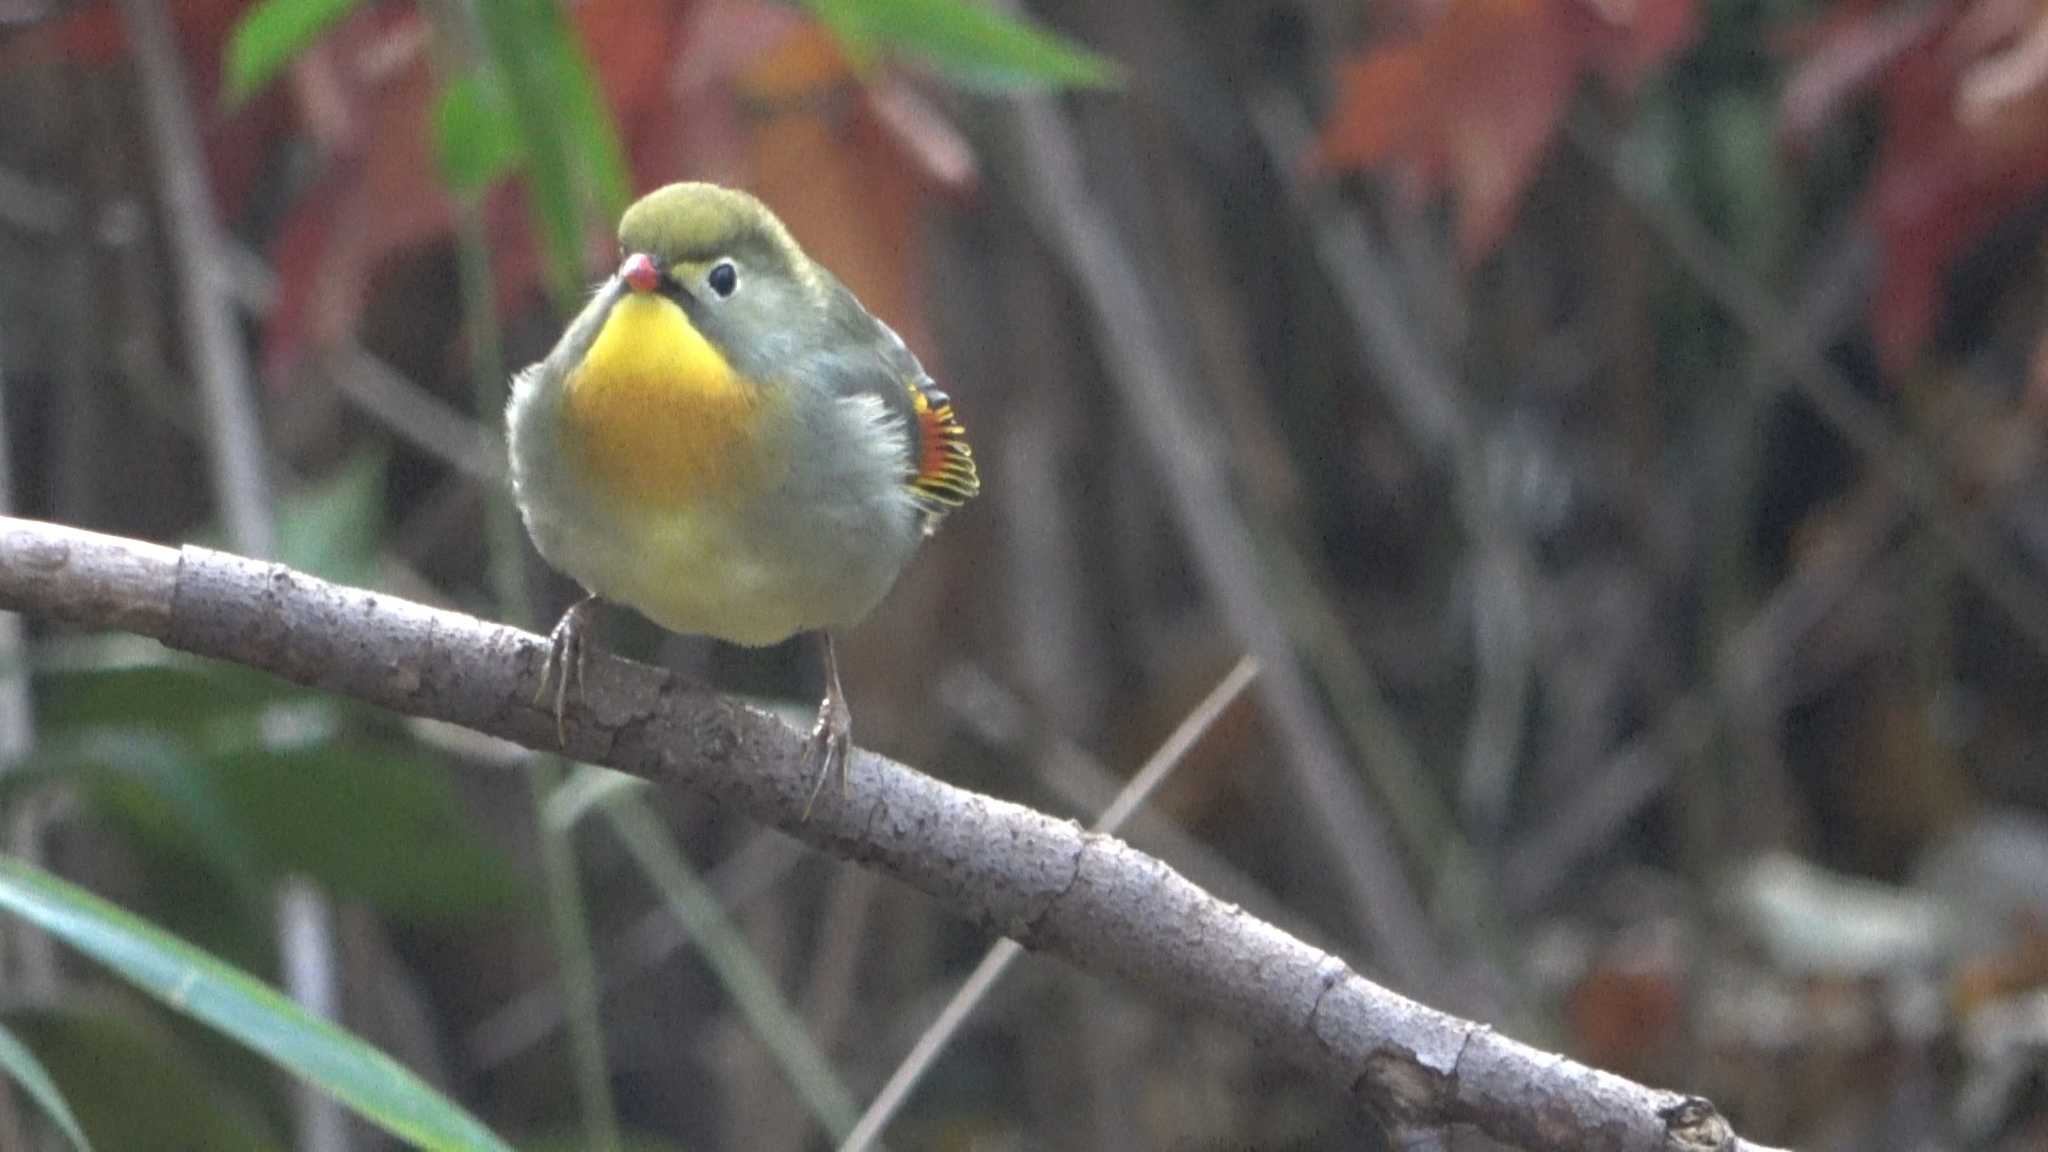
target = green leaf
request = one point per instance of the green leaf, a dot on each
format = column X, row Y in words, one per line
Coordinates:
column 514, row 31
column 270, row 784
column 225, row 998
column 270, row 35
column 476, row 135
column 134, row 1085
column 380, row 823
column 574, row 161
column 745, row 976
column 24, row 1069
column 578, row 1142
column 168, row 694
column 158, row 788
column 972, row 45
column 195, row 860
column 331, row 528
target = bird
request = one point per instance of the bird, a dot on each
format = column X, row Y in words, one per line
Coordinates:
column 726, row 441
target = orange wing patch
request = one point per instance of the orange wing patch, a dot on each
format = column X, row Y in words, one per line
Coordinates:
column 945, row 477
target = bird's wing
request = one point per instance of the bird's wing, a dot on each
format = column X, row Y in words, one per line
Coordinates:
column 942, row 474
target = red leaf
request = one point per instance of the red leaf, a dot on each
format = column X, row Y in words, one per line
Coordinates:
column 1628, row 39
column 1473, row 100
column 94, row 34
column 739, row 91
column 380, row 194
column 628, row 43
column 1965, row 140
column 1848, row 52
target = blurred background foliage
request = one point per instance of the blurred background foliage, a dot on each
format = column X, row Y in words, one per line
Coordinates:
column 1633, row 410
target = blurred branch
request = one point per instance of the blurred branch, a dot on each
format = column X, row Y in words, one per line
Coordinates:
column 241, row 480
column 1749, row 679
column 28, row 957
column 1147, row 370
column 505, row 551
column 1437, row 416
column 1429, row 403
column 381, row 392
column 1440, row 417
column 305, row 921
column 26, row 954
column 1894, row 459
column 33, row 207
column 1090, row 899
column 417, row 417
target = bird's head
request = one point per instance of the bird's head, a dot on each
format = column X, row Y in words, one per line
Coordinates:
column 723, row 258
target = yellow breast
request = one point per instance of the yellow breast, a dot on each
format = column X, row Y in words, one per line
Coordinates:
column 656, row 416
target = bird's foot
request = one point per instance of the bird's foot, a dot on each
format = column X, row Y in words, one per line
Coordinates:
column 829, row 745
column 566, row 652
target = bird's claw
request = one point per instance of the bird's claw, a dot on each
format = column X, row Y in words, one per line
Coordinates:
column 566, row 652
column 828, row 747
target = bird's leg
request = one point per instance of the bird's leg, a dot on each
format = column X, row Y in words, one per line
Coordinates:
column 565, row 662
column 832, row 738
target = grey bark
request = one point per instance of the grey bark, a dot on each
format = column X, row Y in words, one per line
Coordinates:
column 1091, row 900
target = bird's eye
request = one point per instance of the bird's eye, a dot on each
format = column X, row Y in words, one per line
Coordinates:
column 723, row 278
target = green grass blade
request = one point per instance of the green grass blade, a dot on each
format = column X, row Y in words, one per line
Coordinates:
column 773, row 1020
column 586, row 119
column 244, row 1008
column 24, row 1069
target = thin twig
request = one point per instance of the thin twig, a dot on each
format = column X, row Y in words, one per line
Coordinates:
column 417, row 417
column 1440, row 417
column 1428, row 401
column 529, row 1018
column 378, row 390
column 1747, row 678
column 986, row 974
column 1002, row 718
column 1088, row 898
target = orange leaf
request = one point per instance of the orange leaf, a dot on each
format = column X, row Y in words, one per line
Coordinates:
column 1377, row 97
column 833, row 174
column 1472, row 101
column 1630, row 38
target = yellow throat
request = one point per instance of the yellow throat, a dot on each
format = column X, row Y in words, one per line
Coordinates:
column 656, row 416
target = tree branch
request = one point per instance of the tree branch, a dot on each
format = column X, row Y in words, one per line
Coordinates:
column 1092, row 900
